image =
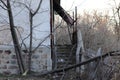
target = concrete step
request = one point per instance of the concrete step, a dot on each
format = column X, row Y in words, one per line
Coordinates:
column 63, row 56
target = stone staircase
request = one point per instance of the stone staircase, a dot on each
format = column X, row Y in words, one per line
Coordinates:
column 65, row 56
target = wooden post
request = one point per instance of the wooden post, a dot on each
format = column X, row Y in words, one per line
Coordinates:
column 78, row 42
column 80, row 47
column 53, row 47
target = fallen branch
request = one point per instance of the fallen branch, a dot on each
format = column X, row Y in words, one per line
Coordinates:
column 80, row 64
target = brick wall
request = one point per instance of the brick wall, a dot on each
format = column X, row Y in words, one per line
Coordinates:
column 41, row 60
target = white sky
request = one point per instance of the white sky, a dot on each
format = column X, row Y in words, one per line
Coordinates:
column 87, row 4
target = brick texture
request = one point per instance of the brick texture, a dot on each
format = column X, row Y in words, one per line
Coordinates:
column 41, row 60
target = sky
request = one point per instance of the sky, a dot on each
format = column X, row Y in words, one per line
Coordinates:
column 87, row 4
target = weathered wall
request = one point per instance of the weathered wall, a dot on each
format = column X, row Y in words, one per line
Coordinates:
column 41, row 60
column 41, row 22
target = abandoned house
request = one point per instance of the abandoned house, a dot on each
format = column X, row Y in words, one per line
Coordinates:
column 43, row 36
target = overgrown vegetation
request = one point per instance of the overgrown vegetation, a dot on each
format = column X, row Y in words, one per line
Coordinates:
column 100, row 31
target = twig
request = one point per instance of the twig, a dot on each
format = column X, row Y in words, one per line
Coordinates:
column 38, row 7
column 4, row 3
column 3, row 7
column 46, row 38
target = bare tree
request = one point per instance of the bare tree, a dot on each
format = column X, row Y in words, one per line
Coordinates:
column 32, row 13
column 116, row 18
column 7, row 6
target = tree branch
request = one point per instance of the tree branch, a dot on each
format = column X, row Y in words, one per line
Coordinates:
column 3, row 7
column 4, row 3
column 46, row 38
column 15, row 38
column 38, row 8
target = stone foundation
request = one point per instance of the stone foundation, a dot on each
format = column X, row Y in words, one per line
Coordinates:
column 41, row 60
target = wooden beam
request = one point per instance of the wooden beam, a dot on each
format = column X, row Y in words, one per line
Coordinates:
column 65, row 16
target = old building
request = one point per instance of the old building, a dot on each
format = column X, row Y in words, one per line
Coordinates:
column 43, row 36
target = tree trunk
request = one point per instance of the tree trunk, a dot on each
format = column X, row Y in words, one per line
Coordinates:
column 15, row 39
column 31, row 36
